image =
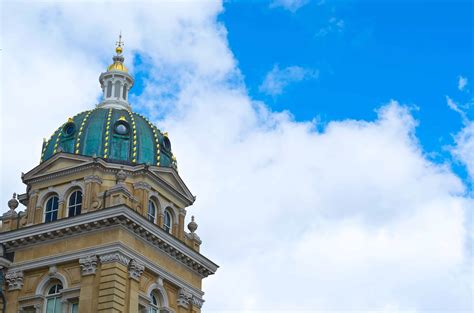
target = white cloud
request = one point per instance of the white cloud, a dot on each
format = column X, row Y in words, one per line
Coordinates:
column 351, row 217
column 462, row 83
column 464, row 147
column 290, row 5
column 334, row 25
column 278, row 79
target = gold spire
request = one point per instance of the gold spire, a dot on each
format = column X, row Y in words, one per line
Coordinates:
column 118, row 59
column 119, row 44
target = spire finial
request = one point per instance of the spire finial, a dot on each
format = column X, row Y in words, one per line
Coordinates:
column 119, row 44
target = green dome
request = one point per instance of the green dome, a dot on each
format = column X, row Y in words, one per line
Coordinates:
column 117, row 135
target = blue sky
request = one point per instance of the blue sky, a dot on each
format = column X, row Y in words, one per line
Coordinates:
column 412, row 51
column 281, row 116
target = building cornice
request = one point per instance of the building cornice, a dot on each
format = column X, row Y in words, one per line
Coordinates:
column 114, row 216
column 34, row 175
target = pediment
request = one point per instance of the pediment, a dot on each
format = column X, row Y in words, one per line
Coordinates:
column 57, row 163
column 171, row 178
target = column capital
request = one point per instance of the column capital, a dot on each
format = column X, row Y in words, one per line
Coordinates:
column 14, row 280
column 88, row 265
column 115, row 257
column 141, row 185
column 184, row 297
column 93, row 179
column 135, row 270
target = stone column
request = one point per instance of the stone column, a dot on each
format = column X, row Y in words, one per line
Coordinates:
column 113, row 282
column 135, row 271
column 91, row 190
column 87, row 294
column 62, row 209
column 184, row 301
column 14, row 281
column 33, row 199
column 142, row 193
column 182, row 214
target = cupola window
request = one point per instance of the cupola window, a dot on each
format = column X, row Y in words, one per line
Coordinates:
column 168, row 221
column 75, row 203
column 51, row 211
column 109, row 89
column 151, row 211
column 69, row 129
column 117, row 89
column 167, row 143
column 53, row 299
column 124, row 95
column 121, row 128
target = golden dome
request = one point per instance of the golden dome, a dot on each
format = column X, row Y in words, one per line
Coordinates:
column 117, row 66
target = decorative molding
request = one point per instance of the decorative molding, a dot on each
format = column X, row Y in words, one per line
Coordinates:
column 34, row 175
column 14, row 280
column 121, row 216
column 93, row 179
column 182, row 211
column 53, row 271
column 135, row 270
column 88, row 265
column 115, row 257
column 198, row 302
column 184, row 297
column 141, row 185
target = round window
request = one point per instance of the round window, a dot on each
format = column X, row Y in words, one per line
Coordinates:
column 167, row 143
column 121, row 129
column 69, row 129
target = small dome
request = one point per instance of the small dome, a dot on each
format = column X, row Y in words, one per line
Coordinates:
column 114, row 134
column 117, row 66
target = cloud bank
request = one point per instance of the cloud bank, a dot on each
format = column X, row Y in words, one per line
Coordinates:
column 278, row 79
column 350, row 215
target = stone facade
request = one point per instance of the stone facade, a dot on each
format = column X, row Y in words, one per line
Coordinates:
column 101, row 236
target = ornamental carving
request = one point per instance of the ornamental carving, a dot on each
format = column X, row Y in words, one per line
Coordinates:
column 14, row 280
column 184, row 297
column 114, row 257
column 88, row 265
column 135, row 270
column 93, row 179
column 197, row 302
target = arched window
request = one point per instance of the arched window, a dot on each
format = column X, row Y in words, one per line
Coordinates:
column 53, row 299
column 154, row 304
column 124, row 96
column 117, row 89
column 151, row 211
column 51, row 209
column 75, row 203
column 168, row 221
column 109, row 89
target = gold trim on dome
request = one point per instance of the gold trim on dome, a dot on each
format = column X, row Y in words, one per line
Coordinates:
column 117, row 66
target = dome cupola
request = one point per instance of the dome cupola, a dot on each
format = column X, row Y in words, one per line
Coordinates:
column 116, row 82
column 112, row 131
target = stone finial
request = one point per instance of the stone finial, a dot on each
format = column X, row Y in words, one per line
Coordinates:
column 13, row 202
column 192, row 226
column 121, row 176
column 88, row 265
column 14, row 280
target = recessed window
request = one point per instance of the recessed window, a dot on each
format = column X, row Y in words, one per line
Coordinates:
column 117, row 89
column 151, row 211
column 121, row 128
column 75, row 203
column 51, row 209
column 168, row 222
column 167, row 143
column 155, row 304
column 109, row 89
column 53, row 299
column 69, row 129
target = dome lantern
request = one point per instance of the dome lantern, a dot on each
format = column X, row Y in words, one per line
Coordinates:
column 116, row 82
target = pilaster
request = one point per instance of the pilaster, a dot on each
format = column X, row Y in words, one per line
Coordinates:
column 31, row 209
column 182, row 215
column 87, row 294
column 14, row 280
column 113, row 282
column 135, row 271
